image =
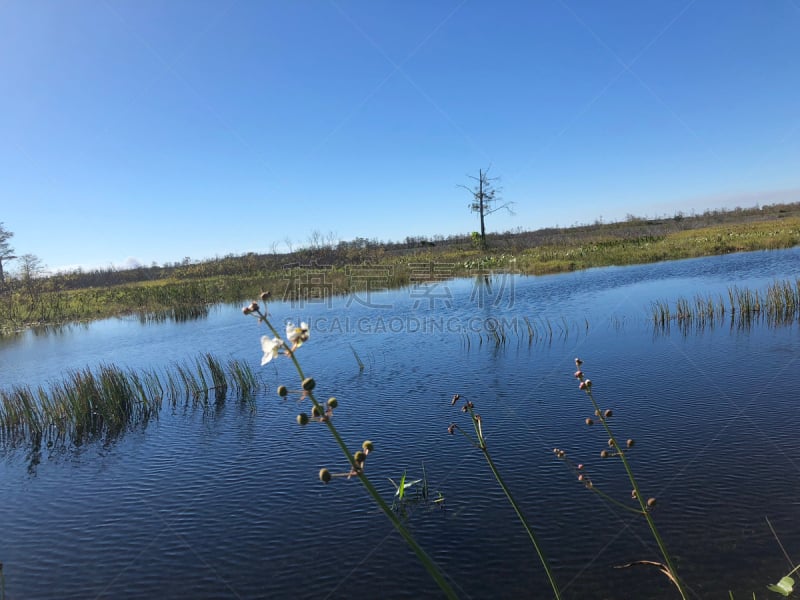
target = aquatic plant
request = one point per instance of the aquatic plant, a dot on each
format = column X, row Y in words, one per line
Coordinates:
column 619, row 451
column 479, row 441
column 778, row 304
column 103, row 402
column 295, row 336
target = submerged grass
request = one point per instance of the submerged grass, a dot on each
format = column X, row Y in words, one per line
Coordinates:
column 102, row 403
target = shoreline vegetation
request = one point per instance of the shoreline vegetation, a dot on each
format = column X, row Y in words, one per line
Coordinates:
column 325, row 266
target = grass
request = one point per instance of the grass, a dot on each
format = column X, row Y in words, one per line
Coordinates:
column 102, row 403
column 778, row 304
column 316, row 273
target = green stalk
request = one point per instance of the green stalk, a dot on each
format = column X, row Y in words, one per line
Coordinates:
column 424, row 558
column 520, row 515
column 642, row 503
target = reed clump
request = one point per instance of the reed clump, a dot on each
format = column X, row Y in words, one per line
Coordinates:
column 778, row 304
column 103, row 402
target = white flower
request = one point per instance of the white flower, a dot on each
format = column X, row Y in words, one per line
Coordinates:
column 270, row 348
column 297, row 335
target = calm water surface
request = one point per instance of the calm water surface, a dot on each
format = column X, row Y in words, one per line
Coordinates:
column 224, row 502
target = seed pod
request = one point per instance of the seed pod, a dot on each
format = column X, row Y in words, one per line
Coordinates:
column 630, row 443
column 367, row 446
column 316, row 411
column 265, row 296
column 604, row 454
column 611, row 443
column 333, row 402
column 360, row 457
column 455, row 399
column 302, row 419
column 324, row 475
column 282, row 391
column 608, row 414
column 651, row 502
column 309, row 384
column 589, row 422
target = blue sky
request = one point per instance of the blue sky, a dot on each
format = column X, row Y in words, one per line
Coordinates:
column 144, row 130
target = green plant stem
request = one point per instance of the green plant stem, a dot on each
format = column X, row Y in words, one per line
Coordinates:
column 424, row 558
column 520, row 515
column 642, row 502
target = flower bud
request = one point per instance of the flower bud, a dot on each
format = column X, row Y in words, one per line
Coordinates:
column 451, row 429
column 324, row 475
column 608, row 414
column 246, row 310
column 309, row 384
column 253, row 307
column 360, row 457
column 651, row 502
column 282, row 391
column 333, row 402
column 302, row 419
column 589, row 422
column 611, row 443
column 578, row 374
column 630, row 443
column 578, row 362
column 604, row 454
column 367, row 446
column 265, row 296
column 455, row 399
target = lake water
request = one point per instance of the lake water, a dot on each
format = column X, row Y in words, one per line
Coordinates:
column 224, row 501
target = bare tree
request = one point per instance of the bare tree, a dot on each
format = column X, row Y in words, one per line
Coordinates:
column 6, row 251
column 485, row 196
column 30, row 271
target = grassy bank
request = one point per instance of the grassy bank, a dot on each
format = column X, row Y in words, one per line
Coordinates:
column 184, row 290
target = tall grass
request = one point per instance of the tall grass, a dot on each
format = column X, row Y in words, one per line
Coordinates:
column 102, row 403
column 778, row 304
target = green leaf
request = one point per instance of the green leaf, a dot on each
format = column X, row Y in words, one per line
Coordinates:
column 402, row 489
column 784, row 587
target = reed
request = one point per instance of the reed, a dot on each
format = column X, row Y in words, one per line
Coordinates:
column 778, row 304
column 105, row 401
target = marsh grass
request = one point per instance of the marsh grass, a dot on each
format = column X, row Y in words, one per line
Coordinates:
column 102, row 403
column 181, row 291
column 778, row 304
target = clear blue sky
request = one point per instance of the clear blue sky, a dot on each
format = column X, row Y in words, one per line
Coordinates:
column 151, row 130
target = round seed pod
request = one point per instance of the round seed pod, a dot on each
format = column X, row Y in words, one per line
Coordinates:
column 316, row 411
column 630, row 443
column 333, row 403
column 309, row 384
column 589, row 421
column 604, row 454
column 360, row 456
column 367, row 446
column 608, row 414
column 282, row 391
column 324, row 475
column 651, row 502
column 302, row 419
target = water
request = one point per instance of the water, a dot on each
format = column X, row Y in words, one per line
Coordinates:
column 224, row 502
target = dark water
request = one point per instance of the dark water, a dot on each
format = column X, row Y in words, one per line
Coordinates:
column 224, row 502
